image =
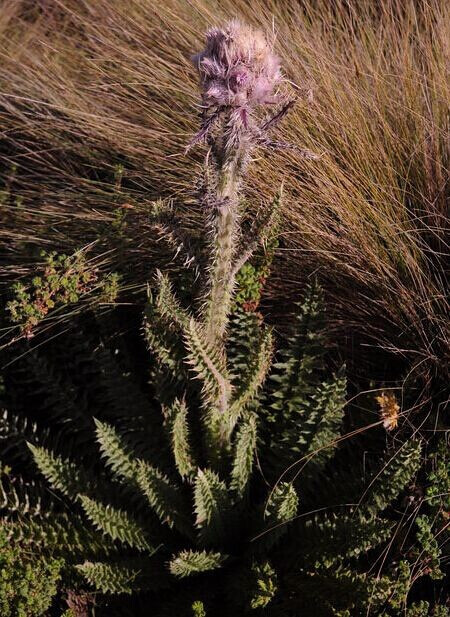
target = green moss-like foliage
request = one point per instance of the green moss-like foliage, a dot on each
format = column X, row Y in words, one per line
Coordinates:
column 27, row 583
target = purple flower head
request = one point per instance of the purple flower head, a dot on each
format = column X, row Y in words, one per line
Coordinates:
column 238, row 72
column 238, row 67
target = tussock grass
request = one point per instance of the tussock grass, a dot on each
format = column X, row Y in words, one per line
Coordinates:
column 86, row 86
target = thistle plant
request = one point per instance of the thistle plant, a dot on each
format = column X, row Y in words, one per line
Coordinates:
column 239, row 73
column 234, row 481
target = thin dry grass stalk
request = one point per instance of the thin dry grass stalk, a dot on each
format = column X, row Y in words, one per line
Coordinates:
column 85, row 86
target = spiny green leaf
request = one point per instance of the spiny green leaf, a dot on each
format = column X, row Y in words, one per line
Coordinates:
column 265, row 583
column 281, row 508
column 211, row 503
column 395, row 474
column 210, row 494
column 63, row 475
column 159, row 345
column 176, row 418
column 430, row 550
column 117, row 524
column 297, row 362
column 167, row 303
column 114, row 451
column 208, row 363
column 329, row 539
column 323, row 431
column 162, row 495
column 259, row 363
column 244, row 336
column 244, row 454
column 113, row 578
column 187, row 563
column 283, row 503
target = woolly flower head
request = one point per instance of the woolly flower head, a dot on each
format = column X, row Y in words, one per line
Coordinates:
column 238, row 67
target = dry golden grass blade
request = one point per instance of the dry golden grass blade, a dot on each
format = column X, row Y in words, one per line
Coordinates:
column 85, row 86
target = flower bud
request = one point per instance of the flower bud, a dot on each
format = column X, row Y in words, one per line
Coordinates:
column 238, row 68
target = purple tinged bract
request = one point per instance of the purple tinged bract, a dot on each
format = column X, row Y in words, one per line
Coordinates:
column 238, row 68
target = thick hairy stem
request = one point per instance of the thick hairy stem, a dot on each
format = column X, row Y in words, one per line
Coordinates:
column 224, row 245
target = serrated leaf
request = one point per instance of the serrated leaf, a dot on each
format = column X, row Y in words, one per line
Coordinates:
column 281, row 509
column 209, row 365
column 322, row 430
column 112, row 578
column 117, row 524
column 122, row 464
column 168, row 305
column 244, row 454
column 164, row 497
column 188, row 563
column 62, row 474
column 211, row 503
column 397, row 471
column 259, row 362
column 176, row 418
column 283, row 503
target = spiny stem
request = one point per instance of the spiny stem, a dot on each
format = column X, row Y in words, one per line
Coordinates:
column 224, row 246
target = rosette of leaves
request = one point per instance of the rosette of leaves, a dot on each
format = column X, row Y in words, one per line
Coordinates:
column 208, row 498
